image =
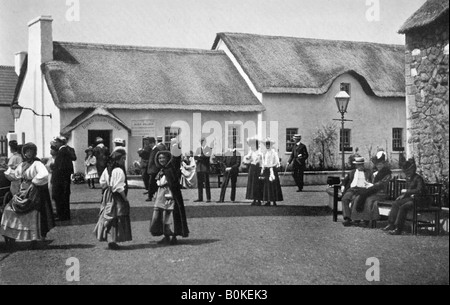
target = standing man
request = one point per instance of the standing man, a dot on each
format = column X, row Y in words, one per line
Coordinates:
column 298, row 156
column 231, row 164
column 101, row 153
column 160, row 144
column 202, row 156
column 144, row 154
column 152, row 168
column 62, row 170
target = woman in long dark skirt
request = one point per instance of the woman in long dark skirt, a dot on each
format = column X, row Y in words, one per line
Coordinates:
column 269, row 169
column 254, row 184
column 114, row 217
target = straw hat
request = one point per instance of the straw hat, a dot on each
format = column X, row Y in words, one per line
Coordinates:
column 359, row 160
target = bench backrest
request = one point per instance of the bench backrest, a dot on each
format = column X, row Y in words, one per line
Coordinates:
column 396, row 185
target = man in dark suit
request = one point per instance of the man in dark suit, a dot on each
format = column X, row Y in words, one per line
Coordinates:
column 152, row 169
column 231, row 165
column 202, row 156
column 62, row 171
column 298, row 158
column 144, row 154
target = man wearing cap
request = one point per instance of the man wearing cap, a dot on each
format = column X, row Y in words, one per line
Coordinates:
column 231, row 163
column 404, row 203
column 160, row 144
column 356, row 181
column 101, row 153
column 298, row 156
column 118, row 142
column 62, row 171
column 152, row 168
column 202, row 157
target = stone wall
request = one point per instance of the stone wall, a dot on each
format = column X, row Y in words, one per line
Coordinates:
column 427, row 99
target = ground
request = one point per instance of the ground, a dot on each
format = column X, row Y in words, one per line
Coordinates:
column 293, row 243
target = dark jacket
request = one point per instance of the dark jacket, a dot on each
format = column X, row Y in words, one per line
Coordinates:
column 63, row 166
column 101, row 153
column 202, row 157
column 299, row 161
column 152, row 168
column 416, row 186
column 233, row 160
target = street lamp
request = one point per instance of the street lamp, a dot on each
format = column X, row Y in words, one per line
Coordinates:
column 342, row 99
column 16, row 111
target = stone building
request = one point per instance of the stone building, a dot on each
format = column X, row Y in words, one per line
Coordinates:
column 296, row 80
column 427, row 84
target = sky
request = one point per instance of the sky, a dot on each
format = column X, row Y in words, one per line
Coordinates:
column 195, row 23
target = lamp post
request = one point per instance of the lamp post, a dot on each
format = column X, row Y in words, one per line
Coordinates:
column 16, row 111
column 342, row 99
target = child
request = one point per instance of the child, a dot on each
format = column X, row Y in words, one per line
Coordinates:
column 91, row 169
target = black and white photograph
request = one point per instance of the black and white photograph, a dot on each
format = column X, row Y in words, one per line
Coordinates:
column 225, row 147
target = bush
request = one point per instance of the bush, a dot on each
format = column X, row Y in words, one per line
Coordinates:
column 78, row 178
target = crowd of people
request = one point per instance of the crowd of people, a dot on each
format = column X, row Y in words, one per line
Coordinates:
column 36, row 185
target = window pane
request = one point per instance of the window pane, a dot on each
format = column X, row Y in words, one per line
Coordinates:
column 290, row 132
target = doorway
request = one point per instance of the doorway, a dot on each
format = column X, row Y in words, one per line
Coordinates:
column 104, row 134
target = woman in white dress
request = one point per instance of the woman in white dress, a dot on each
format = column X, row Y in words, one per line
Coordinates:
column 188, row 178
column 28, row 216
column 254, row 185
column 269, row 169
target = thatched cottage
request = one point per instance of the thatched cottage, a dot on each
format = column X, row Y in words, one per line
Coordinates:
column 296, row 80
column 427, row 68
column 128, row 92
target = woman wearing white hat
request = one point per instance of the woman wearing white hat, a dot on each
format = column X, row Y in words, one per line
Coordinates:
column 269, row 170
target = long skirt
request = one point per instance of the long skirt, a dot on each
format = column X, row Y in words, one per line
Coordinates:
column 33, row 225
column 119, row 227
column 272, row 189
column 370, row 211
column 254, row 184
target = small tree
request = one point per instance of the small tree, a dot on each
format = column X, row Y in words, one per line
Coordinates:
column 325, row 140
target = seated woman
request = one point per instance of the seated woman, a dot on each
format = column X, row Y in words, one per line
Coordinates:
column 168, row 203
column 28, row 216
column 365, row 206
column 115, row 209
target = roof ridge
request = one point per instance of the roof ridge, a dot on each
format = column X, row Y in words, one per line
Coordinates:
column 5, row 66
column 313, row 39
column 137, row 48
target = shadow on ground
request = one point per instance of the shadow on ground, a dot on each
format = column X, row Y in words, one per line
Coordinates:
column 90, row 215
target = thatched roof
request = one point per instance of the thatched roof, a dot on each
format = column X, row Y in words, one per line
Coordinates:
column 126, row 77
column 8, row 81
column 89, row 113
column 277, row 64
column 426, row 14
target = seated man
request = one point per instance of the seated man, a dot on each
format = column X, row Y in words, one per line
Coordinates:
column 352, row 185
column 404, row 203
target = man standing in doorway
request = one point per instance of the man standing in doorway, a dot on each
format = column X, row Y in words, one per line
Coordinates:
column 152, row 169
column 298, row 157
column 62, row 171
column 144, row 154
column 101, row 153
column 202, row 156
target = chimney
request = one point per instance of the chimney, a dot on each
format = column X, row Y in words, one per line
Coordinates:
column 19, row 57
column 40, row 40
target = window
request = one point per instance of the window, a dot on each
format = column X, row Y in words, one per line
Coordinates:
column 234, row 136
column 346, row 141
column 345, row 87
column 397, row 139
column 170, row 133
column 290, row 132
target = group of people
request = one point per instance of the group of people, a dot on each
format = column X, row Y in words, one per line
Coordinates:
column 362, row 189
column 194, row 169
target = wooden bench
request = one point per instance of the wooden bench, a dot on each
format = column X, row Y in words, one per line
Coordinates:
column 429, row 203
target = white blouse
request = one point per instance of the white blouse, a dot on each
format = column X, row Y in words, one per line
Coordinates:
column 253, row 157
column 270, row 159
column 37, row 173
column 117, row 180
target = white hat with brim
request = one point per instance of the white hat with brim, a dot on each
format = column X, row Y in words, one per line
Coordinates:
column 359, row 160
